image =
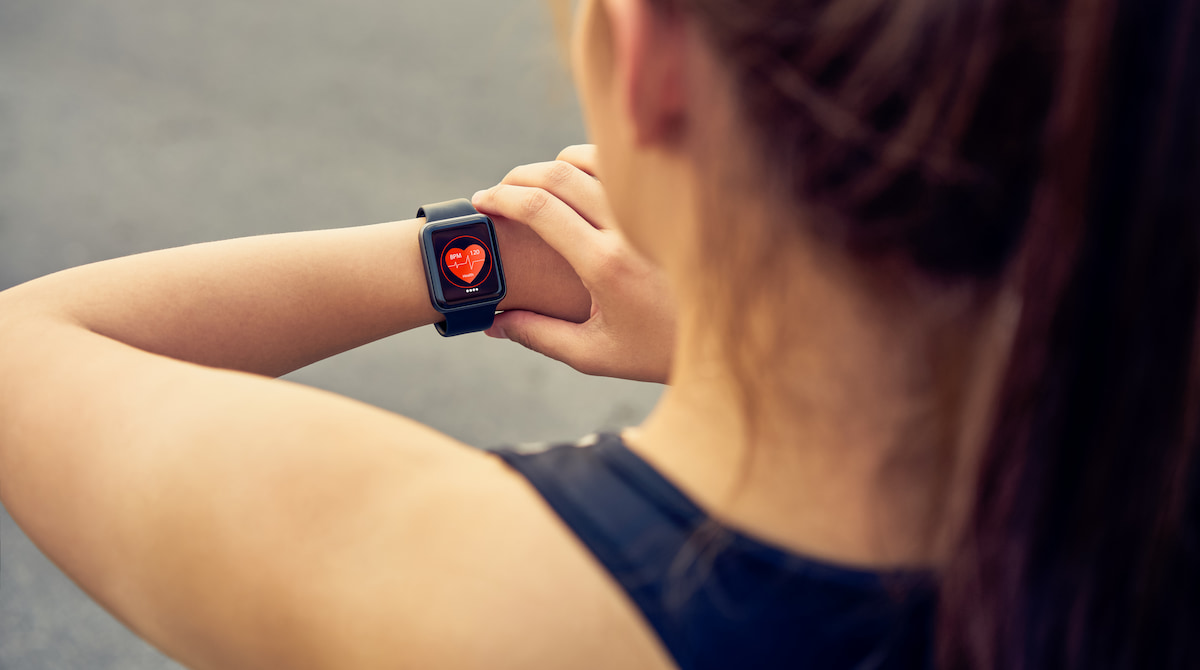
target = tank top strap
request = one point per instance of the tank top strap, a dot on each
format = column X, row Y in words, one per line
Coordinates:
column 716, row 597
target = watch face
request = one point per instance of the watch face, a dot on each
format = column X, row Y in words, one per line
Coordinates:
column 466, row 264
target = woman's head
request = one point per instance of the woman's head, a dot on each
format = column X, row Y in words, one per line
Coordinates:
column 898, row 128
column 887, row 150
column 1046, row 145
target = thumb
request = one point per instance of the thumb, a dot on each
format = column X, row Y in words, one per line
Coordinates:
column 555, row 338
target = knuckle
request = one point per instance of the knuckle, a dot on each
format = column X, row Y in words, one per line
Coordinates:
column 609, row 262
column 535, row 202
column 558, row 173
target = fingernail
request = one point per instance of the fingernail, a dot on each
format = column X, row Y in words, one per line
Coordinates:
column 496, row 332
column 478, row 195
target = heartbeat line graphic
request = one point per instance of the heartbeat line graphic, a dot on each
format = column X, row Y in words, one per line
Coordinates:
column 469, row 263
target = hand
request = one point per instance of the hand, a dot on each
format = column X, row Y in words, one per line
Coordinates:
column 630, row 332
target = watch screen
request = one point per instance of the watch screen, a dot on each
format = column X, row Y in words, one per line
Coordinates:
column 465, row 265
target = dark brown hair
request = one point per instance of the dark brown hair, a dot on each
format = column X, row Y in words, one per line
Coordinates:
column 1054, row 142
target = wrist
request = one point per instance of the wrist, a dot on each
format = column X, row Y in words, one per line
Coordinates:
column 539, row 279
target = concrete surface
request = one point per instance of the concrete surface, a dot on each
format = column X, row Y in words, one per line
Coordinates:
column 129, row 125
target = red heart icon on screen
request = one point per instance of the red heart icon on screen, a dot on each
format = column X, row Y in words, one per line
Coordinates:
column 466, row 263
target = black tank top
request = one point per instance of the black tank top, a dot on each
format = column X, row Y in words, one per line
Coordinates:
column 717, row 597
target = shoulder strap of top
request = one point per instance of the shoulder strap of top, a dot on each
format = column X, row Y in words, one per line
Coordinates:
column 633, row 520
column 716, row 597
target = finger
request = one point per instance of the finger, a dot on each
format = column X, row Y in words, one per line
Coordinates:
column 561, row 340
column 569, row 184
column 582, row 156
column 558, row 224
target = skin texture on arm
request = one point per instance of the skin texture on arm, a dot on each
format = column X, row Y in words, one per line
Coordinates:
column 275, row 303
column 238, row 521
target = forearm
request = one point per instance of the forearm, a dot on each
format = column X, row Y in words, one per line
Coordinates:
column 275, row 303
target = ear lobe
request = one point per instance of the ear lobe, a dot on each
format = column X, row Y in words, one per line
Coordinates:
column 650, row 49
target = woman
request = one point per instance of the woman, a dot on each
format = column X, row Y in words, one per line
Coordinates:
column 922, row 277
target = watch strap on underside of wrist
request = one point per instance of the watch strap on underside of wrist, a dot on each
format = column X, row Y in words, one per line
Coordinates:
column 467, row 321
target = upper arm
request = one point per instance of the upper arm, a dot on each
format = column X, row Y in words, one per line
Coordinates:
column 238, row 521
column 201, row 506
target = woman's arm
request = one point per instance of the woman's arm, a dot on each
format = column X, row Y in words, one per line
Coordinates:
column 239, row 521
column 272, row 304
column 235, row 520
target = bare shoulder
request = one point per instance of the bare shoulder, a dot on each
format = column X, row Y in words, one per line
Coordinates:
column 474, row 570
column 372, row 541
column 241, row 522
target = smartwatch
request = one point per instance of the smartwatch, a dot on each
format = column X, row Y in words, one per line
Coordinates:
column 462, row 266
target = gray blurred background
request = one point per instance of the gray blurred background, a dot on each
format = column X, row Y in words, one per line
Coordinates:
column 129, row 125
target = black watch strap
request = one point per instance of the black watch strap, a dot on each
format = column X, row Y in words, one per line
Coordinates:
column 467, row 321
column 451, row 209
column 474, row 319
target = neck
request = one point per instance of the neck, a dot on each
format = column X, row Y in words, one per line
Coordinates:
column 835, row 433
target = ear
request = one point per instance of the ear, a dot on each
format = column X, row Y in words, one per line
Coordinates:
column 650, row 54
